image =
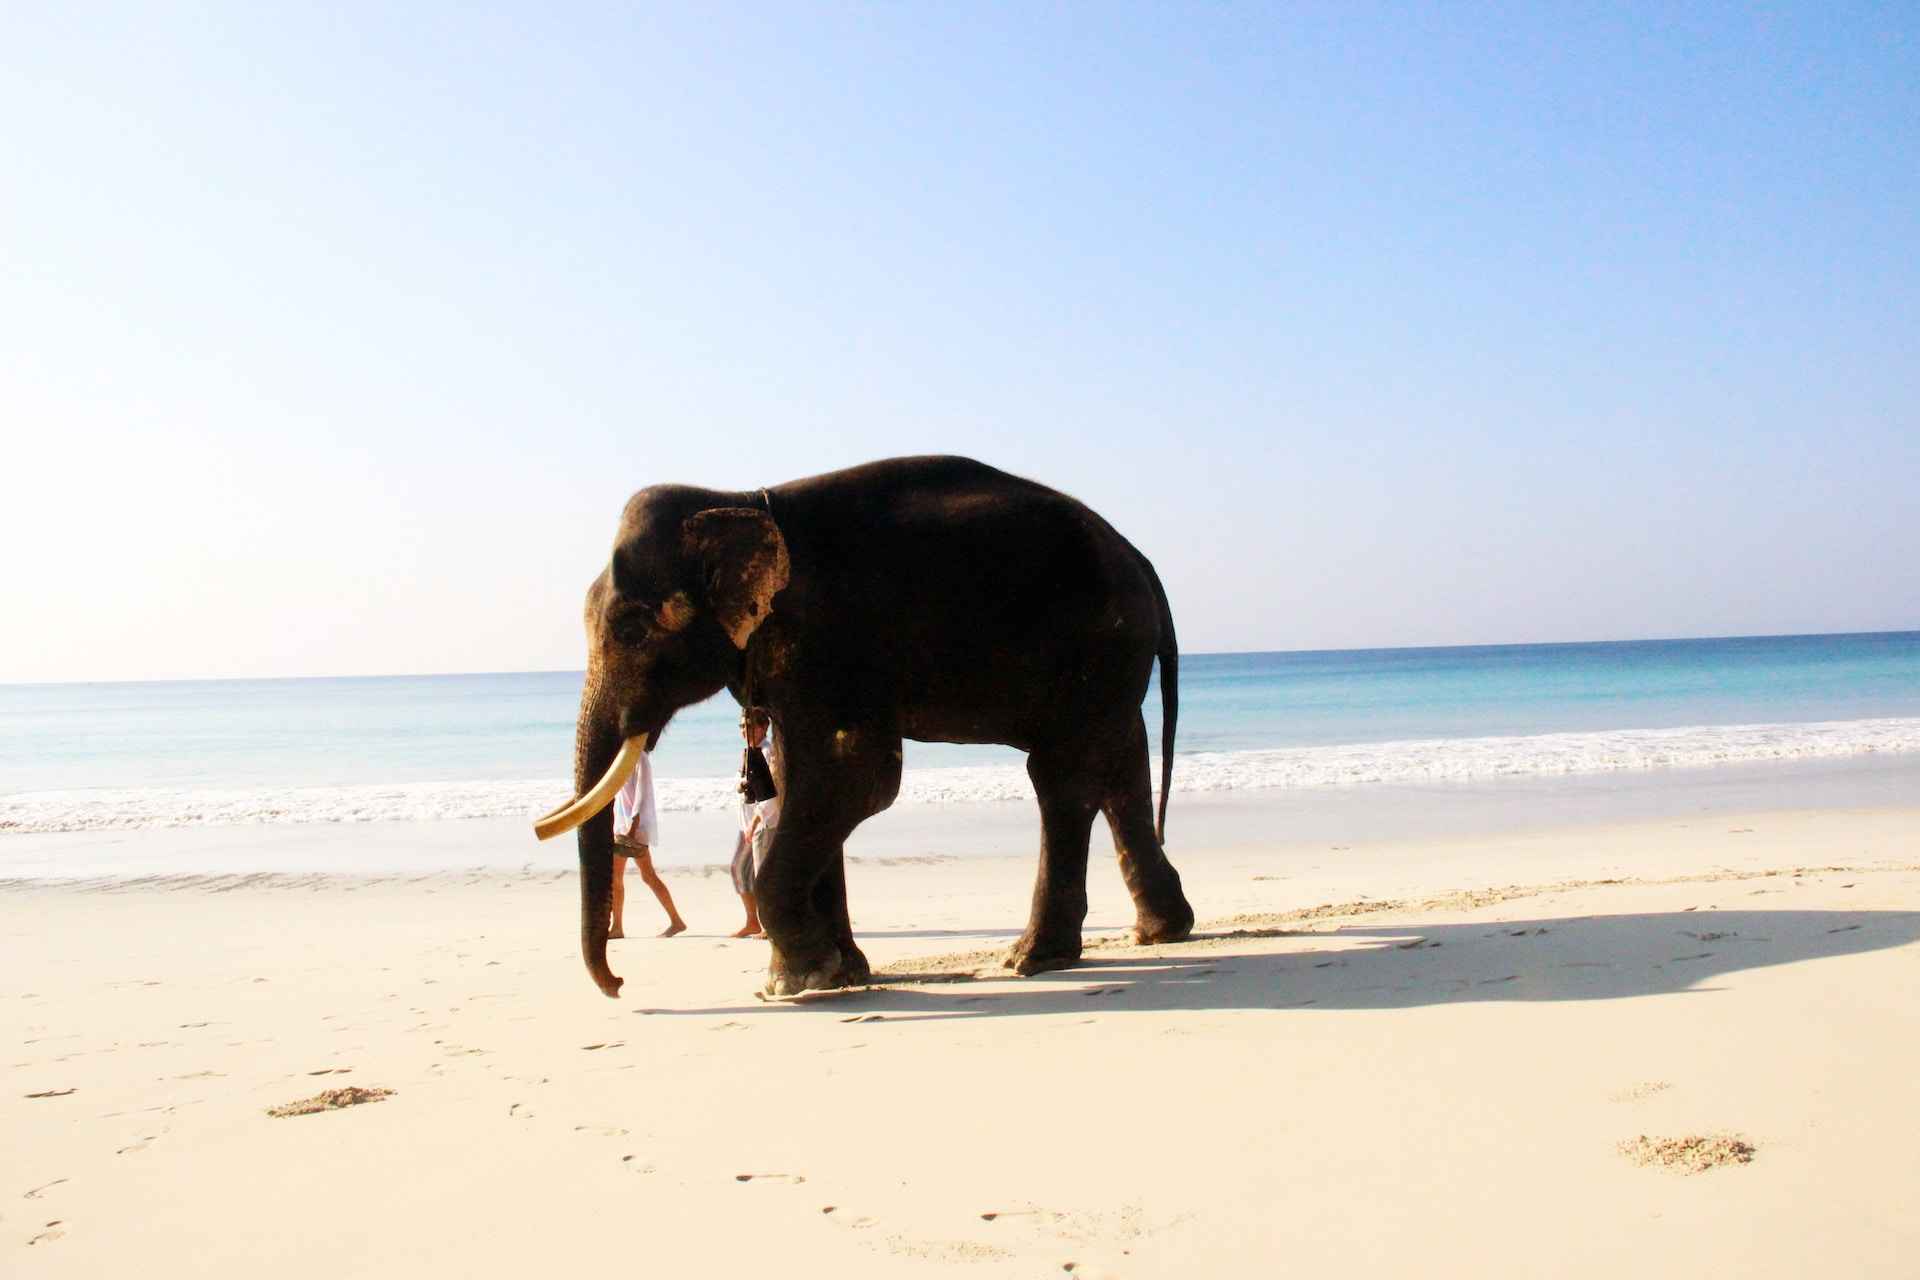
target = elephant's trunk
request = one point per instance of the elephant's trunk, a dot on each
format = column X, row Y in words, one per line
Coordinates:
column 596, row 901
column 597, row 754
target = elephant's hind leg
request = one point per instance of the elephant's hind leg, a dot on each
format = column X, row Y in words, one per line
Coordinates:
column 1161, row 911
column 1069, row 797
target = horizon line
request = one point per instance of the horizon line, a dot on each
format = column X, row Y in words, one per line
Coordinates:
column 1185, row 653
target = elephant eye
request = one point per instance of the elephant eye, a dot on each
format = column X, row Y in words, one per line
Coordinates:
column 631, row 627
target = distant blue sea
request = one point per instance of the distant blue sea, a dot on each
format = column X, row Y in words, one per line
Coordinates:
column 404, row 748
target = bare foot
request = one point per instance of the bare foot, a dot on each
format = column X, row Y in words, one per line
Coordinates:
column 678, row 926
column 616, row 932
column 751, row 929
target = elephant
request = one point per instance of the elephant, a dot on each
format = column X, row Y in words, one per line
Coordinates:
column 931, row 598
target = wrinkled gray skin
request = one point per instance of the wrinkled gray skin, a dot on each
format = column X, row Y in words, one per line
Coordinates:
column 928, row 598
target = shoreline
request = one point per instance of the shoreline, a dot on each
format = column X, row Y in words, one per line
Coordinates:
column 1262, row 818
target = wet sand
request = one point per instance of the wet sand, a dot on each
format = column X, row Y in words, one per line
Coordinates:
column 1655, row 1048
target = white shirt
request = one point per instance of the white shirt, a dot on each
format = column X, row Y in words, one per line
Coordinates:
column 633, row 811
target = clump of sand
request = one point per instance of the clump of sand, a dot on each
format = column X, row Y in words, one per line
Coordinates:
column 1637, row 1092
column 329, row 1100
column 1695, row 1153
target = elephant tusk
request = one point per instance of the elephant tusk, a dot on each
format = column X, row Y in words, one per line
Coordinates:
column 574, row 812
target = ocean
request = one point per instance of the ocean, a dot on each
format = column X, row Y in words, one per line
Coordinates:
column 131, row 756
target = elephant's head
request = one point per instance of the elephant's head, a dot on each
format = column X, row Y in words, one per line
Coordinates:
column 690, row 579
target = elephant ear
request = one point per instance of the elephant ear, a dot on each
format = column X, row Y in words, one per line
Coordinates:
column 743, row 565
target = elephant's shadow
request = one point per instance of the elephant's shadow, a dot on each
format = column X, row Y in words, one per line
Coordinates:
column 1385, row 966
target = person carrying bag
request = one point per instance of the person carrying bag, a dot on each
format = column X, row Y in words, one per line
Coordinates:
column 759, row 811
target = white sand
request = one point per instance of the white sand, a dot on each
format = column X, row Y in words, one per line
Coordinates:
column 1440, row 1085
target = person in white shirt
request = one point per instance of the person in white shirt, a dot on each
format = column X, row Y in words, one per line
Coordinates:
column 636, row 826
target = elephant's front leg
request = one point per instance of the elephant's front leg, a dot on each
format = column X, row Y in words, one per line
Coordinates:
column 833, row 784
column 830, row 896
column 794, row 891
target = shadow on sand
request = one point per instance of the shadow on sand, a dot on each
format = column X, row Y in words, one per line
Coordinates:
column 1360, row 966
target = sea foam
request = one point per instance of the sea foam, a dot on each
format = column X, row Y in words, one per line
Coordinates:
column 1420, row 761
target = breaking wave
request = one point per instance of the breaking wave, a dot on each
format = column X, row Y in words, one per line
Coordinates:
column 1359, row 764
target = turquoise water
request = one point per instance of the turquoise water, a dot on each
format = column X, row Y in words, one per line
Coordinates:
column 1245, row 701
column 403, row 748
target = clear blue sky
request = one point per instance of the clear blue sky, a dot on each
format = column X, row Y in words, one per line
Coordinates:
column 332, row 337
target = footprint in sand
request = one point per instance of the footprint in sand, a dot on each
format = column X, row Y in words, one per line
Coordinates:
column 45, row 1186
column 52, row 1232
column 602, row 1130
column 635, row 1164
column 791, row 1178
column 850, row 1223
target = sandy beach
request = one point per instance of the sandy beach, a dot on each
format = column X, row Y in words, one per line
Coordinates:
column 1440, row 1056
column 1439, row 480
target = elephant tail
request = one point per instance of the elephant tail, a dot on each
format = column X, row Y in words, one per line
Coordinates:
column 1169, row 655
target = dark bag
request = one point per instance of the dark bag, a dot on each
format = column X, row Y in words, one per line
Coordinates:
column 756, row 779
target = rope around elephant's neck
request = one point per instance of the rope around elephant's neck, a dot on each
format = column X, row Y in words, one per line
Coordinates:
column 746, row 655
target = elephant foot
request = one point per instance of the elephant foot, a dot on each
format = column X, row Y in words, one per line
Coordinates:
column 828, row 971
column 1173, row 924
column 854, row 961
column 1031, row 954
